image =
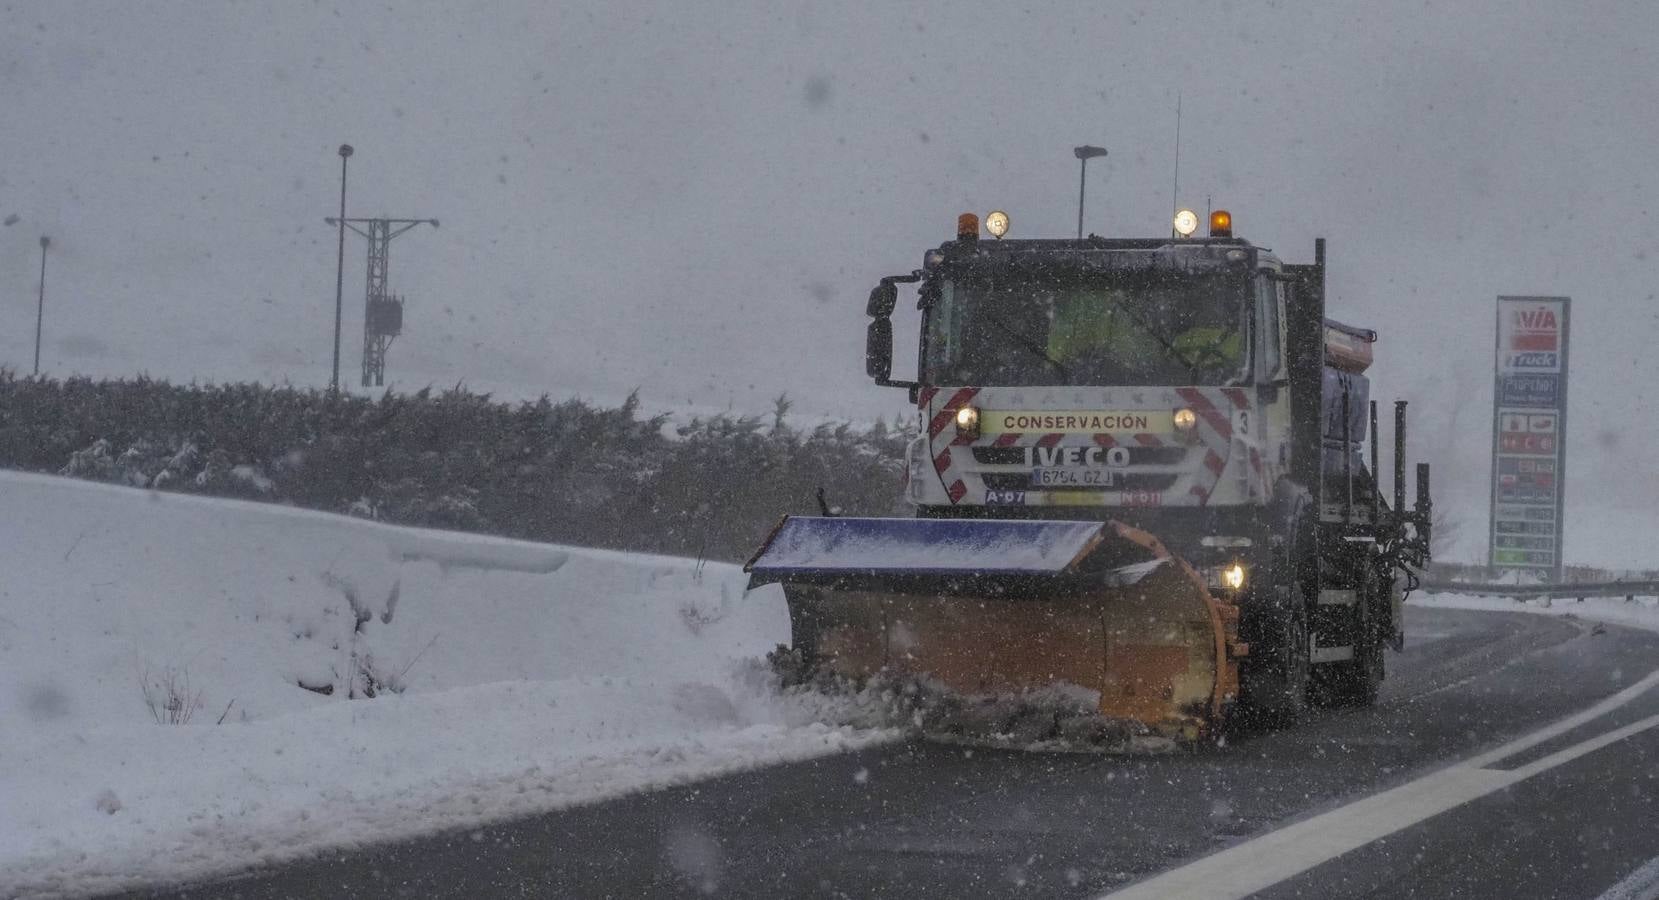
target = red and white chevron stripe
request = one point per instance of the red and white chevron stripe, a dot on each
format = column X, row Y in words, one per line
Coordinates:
column 943, row 437
column 1215, row 435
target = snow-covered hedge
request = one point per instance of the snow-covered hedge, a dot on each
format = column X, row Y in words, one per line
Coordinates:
column 567, row 472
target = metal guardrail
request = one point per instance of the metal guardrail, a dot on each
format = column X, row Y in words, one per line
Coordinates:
column 1629, row 590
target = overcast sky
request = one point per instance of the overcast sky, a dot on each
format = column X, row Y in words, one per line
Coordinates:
column 695, row 202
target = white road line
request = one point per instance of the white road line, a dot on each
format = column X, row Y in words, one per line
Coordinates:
column 1638, row 885
column 1243, row 869
column 1642, row 884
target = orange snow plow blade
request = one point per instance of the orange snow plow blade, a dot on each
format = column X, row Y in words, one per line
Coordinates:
column 989, row 607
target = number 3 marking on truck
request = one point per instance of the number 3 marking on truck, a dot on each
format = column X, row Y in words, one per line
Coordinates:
column 1241, row 422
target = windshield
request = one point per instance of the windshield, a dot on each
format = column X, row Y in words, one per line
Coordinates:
column 1142, row 328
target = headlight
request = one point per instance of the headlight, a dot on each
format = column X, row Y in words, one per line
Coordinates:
column 1185, row 419
column 1230, row 577
column 1186, row 222
column 967, row 421
column 996, row 222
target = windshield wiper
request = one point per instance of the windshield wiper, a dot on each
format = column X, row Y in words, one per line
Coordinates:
column 1029, row 344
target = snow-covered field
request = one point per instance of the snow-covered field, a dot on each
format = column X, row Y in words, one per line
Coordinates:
column 509, row 678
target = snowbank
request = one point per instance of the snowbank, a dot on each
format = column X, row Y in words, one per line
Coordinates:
column 1638, row 613
column 507, row 678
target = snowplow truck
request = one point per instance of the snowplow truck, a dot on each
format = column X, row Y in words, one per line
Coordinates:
column 1140, row 470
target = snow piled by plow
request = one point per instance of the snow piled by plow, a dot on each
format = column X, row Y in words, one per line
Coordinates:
column 1057, row 718
column 374, row 682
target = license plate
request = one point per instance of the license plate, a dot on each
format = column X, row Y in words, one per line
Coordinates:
column 1072, row 477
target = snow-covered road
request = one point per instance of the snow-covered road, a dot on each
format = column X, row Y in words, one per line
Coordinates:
column 510, row 677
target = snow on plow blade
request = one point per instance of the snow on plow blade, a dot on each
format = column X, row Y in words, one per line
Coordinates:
column 992, row 607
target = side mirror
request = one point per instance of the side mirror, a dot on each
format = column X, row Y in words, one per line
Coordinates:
column 878, row 348
column 883, row 297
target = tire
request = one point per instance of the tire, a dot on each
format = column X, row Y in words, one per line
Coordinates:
column 1274, row 680
column 1355, row 683
column 1352, row 684
column 1369, row 676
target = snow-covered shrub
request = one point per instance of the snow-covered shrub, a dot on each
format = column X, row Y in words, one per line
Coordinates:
column 169, row 696
column 94, row 462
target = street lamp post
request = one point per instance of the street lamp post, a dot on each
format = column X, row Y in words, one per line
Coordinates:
column 340, row 271
column 40, row 303
column 1084, row 154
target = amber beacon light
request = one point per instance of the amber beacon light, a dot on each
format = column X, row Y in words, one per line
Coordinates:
column 1221, row 224
column 967, row 227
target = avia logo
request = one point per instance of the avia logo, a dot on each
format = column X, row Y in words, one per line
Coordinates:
column 1534, row 329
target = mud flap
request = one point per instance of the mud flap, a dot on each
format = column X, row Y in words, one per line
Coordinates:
column 987, row 607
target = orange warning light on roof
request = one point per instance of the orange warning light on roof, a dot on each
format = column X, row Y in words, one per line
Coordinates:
column 967, row 227
column 1221, row 223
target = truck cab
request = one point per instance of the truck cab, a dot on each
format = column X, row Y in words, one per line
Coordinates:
column 1140, row 380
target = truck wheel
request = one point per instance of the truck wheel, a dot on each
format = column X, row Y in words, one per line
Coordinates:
column 1370, row 677
column 1353, row 683
column 1274, row 678
column 1356, row 682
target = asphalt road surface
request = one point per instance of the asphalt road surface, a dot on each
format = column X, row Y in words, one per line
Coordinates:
column 1454, row 784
